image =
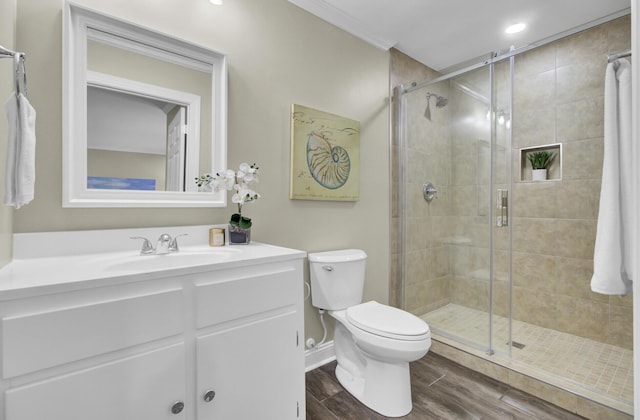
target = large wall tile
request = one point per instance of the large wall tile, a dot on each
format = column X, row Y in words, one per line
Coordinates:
column 535, row 126
column 534, row 306
column 575, row 238
column 534, row 199
column 583, row 159
column 534, row 91
column 538, row 60
column 582, row 119
column 582, row 46
column 580, row 80
column 573, row 278
column 619, row 34
column 577, row 199
column 576, row 316
column 535, row 236
column 534, row 271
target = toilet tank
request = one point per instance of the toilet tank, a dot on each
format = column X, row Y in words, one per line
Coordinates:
column 337, row 278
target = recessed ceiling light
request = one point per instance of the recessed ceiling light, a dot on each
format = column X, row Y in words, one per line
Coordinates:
column 216, row 2
column 518, row 27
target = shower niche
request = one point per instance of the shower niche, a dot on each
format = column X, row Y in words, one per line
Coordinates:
column 554, row 170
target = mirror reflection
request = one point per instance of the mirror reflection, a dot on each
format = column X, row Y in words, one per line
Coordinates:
column 134, row 142
column 150, row 131
column 146, row 115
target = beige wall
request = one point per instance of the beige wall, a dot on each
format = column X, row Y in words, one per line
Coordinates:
column 278, row 55
column 108, row 163
column 7, row 40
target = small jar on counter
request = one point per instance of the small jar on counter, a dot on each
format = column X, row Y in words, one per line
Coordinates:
column 216, row 237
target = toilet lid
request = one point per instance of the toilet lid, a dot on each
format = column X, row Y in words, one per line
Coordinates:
column 387, row 321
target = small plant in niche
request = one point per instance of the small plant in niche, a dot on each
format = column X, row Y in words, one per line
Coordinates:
column 541, row 159
column 239, row 181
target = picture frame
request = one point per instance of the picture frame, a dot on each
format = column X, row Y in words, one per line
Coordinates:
column 325, row 156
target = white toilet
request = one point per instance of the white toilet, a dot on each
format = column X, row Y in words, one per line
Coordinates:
column 374, row 343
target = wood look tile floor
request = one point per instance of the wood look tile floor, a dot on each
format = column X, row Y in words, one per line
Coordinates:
column 441, row 389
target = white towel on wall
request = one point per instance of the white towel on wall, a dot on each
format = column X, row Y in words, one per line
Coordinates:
column 612, row 259
column 20, row 172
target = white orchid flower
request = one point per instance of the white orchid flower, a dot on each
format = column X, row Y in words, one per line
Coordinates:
column 230, row 180
column 244, row 195
column 224, row 180
column 247, row 173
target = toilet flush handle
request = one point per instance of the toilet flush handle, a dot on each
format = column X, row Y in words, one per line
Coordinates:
column 327, row 268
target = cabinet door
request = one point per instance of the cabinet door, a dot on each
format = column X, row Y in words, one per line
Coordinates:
column 255, row 370
column 144, row 386
column 43, row 338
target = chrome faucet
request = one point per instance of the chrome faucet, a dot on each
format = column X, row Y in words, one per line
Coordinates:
column 173, row 245
column 162, row 246
column 147, row 248
column 165, row 245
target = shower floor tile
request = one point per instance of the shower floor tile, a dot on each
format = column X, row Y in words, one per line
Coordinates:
column 596, row 366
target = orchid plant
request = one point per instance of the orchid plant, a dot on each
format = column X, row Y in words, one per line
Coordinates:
column 238, row 181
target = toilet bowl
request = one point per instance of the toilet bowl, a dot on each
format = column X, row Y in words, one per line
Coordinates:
column 373, row 355
column 374, row 343
column 385, row 332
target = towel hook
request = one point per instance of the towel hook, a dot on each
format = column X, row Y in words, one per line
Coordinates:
column 19, row 66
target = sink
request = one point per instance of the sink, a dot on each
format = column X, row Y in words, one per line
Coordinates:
column 188, row 256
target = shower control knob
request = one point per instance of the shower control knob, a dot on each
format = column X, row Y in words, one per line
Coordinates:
column 177, row 407
column 209, row 396
column 429, row 191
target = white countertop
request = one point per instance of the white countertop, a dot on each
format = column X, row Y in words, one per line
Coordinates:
column 48, row 262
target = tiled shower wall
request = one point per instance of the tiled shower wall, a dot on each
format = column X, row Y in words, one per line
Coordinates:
column 404, row 70
column 558, row 98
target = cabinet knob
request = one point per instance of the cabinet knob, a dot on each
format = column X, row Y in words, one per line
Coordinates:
column 209, row 395
column 177, row 407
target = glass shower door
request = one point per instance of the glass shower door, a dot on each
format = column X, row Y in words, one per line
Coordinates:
column 452, row 140
column 469, row 242
column 501, row 174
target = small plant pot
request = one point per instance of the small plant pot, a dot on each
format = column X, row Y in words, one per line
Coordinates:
column 239, row 236
column 538, row 174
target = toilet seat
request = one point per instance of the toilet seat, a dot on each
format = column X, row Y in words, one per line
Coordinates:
column 387, row 321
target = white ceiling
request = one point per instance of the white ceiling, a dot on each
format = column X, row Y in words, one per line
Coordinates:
column 445, row 33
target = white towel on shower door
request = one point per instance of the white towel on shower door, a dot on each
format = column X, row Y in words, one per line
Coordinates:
column 20, row 174
column 612, row 259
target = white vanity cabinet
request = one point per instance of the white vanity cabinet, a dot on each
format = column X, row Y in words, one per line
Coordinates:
column 214, row 342
column 105, row 353
column 249, row 343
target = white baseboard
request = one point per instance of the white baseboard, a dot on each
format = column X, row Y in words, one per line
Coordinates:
column 319, row 356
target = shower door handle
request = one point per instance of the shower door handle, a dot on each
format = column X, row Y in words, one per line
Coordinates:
column 502, row 208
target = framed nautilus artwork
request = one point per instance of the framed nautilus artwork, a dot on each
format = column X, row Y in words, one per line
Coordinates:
column 325, row 156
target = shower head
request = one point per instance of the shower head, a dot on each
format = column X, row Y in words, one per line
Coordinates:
column 441, row 101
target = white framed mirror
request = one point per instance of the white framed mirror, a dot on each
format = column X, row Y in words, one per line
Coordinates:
column 144, row 115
